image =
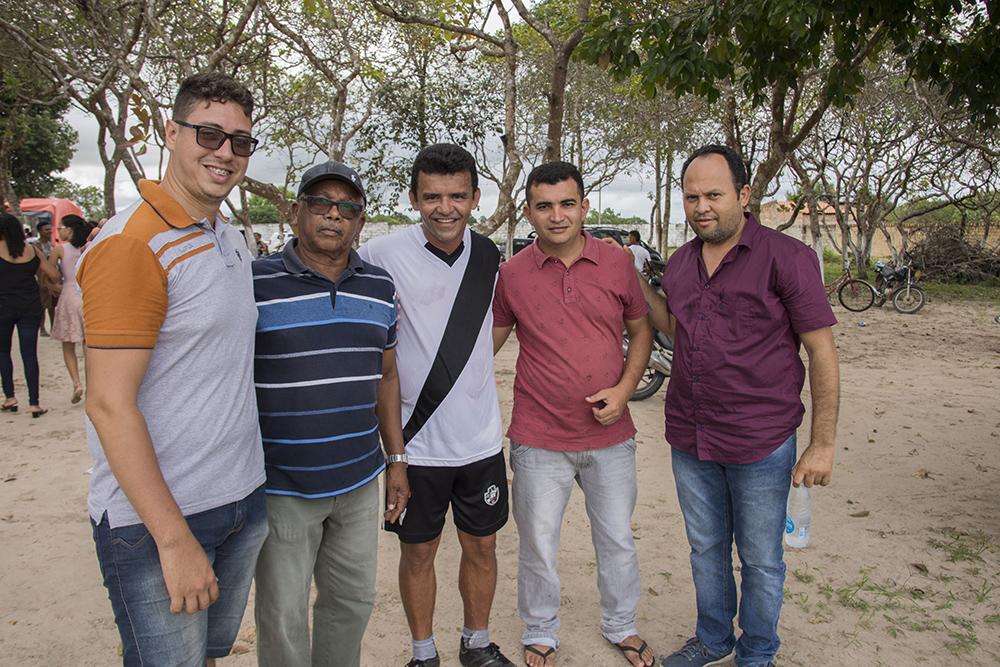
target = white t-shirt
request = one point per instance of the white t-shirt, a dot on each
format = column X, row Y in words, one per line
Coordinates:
column 640, row 255
column 447, row 420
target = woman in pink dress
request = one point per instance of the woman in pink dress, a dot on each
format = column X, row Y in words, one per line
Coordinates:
column 68, row 326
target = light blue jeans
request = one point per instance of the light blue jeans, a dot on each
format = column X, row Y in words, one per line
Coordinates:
column 543, row 480
column 720, row 502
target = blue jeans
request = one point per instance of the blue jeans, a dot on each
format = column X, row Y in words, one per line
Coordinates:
column 130, row 564
column 721, row 502
column 543, row 480
column 27, row 324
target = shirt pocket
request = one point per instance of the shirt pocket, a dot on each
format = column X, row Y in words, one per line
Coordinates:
column 739, row 317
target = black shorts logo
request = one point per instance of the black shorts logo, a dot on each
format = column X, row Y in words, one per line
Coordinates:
column 492, row 495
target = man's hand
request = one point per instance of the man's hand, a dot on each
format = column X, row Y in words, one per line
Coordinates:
column 188, row 575
column 397, row 491
column 611, row 404
column 815, row 466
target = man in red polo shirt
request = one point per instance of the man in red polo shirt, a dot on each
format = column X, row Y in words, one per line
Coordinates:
column 570, row 297
column 740, row 300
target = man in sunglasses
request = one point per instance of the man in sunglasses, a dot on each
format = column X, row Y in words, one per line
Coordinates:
column 326, row 388
column 176, row 495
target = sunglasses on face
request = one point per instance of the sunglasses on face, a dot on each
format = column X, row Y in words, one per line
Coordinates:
column 212, row 138
column 321, row 206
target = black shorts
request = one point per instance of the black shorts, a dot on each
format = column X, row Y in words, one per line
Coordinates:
column 477, row 493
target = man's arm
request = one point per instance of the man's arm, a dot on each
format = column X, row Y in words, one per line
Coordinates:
column 815, row 466
column 390, row 427
column 616, row 398
column 500, row 335
column 113, row 380
column 659, row 315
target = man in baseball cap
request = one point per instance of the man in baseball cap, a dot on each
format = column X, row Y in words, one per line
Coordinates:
column 325, row 372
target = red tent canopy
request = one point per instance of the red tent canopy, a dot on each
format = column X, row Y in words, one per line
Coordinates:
column 55, row 208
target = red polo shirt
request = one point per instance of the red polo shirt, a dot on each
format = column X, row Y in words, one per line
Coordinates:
column 569, row 326
column 734, row 389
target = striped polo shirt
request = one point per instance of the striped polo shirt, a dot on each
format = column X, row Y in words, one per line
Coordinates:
column 154, row 278
column 317, row 367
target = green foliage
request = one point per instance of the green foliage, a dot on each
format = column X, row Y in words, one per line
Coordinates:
column 611, row 218
column 393, row 219
column 262, row 212
column 37, row 142
column 88, row 197
column 765, row 43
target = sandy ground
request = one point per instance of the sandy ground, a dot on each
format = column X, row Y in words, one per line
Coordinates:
column 903, row 568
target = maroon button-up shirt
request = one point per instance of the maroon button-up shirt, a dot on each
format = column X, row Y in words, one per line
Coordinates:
column 734, row 392
column 569, row 327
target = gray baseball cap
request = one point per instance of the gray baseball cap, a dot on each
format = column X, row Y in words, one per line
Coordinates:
column 331, row 170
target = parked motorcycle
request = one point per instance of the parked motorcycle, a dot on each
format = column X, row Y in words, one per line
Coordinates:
column 658, row 368
column 898, row 283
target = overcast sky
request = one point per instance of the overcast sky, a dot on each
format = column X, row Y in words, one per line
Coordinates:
column 628, row 195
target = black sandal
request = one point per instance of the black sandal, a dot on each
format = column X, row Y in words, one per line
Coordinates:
column 9, row 408
column 544, row 655
column 35, row 414
column 626, row 649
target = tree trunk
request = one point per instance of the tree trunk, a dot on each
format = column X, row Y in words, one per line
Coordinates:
column 658, row 196
column 557, row 104
column 668, row 175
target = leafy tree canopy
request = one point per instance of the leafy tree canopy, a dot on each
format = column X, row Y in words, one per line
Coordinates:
column 689, row 47
column 37, row 142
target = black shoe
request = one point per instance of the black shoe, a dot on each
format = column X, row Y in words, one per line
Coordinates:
column 488, row 656
column 429, row 662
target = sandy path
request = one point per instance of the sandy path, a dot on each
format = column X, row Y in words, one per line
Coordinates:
column 915, row 579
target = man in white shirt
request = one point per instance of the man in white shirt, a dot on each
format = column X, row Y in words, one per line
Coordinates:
column 445, row 275
column 639, row 254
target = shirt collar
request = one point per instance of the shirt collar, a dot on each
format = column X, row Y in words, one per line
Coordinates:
column 591, row 251
column 167, row 207
column 293, row 263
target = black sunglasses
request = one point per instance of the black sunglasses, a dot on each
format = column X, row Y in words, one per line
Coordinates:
column 321, row 206
column 213, row 138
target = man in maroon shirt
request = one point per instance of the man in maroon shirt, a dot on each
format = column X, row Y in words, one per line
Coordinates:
column 570, row 297
column 739, row 300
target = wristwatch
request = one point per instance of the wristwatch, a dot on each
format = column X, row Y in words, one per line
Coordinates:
column 395, row 458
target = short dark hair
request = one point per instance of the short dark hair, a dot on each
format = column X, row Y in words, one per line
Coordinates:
column 443, row 159
column 551, row 173
column 80, row 227
column 737, row 167
column 211, row 87
column 12, row 233
column 634, row 234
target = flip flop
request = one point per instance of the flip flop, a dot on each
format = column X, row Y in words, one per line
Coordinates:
column 77, row 395
column 35, row 414
column 626, row 649
column 544, row 655
column 9, row 408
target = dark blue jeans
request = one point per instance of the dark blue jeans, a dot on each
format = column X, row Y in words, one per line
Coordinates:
column 721, row 502
column 27, row 324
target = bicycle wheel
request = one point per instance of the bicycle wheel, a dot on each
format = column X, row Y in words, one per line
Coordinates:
column 856, row 295
column 908, row 300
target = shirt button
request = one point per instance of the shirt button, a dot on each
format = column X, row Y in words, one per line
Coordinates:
column 707, row 285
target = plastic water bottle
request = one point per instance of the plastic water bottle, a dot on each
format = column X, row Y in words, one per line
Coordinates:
column 798, row 516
